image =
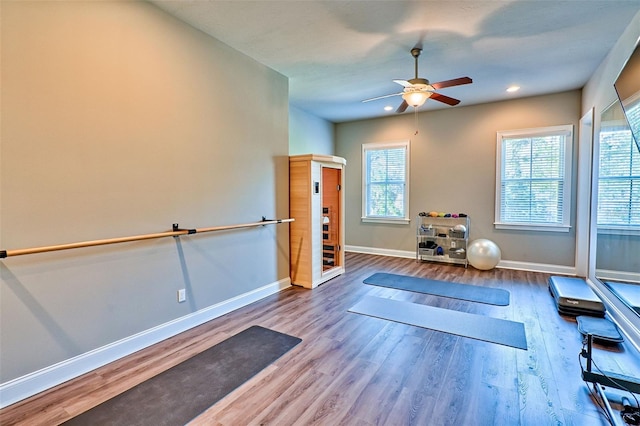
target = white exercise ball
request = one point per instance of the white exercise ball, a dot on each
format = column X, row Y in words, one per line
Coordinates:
column 483, row 254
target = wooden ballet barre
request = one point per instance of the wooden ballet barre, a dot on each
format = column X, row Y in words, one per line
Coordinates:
column 176, row 232
column 243, row 225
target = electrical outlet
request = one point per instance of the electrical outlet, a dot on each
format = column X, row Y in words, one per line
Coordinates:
column 182, row 295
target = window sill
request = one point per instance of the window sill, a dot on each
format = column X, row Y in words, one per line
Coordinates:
column 618, row 230
column 388, row 220
column 532, row 227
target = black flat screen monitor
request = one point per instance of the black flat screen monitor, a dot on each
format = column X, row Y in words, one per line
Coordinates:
column 628, row 89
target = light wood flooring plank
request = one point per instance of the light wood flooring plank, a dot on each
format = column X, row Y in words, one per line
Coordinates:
column 356, row 370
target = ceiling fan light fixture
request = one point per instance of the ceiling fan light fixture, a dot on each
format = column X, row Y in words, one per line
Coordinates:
column 416, row 99
column 417, row 90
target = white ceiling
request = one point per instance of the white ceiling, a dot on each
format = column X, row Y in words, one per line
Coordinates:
column 337, row 53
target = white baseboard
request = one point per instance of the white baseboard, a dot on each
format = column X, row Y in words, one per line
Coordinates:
column 504, row 264
column 537, row 267
column 23, row 387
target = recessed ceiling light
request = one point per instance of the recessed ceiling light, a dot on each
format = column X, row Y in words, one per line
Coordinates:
column 512, row 89
column 388, row 108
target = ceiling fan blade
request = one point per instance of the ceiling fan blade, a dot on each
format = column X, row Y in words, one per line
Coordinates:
column 454, row 82
column 382, row 97
column 403, row 83
column 445, row 99
column 403, row 107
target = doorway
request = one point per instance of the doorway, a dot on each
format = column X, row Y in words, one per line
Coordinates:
column 331, row 226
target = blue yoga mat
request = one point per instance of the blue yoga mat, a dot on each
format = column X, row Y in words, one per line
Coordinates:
column 494, row 330
column 472, row 293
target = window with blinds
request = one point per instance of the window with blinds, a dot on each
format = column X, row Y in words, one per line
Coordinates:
column 385, row 181
column 633, row 118
column 618, row 179
column 533, row 185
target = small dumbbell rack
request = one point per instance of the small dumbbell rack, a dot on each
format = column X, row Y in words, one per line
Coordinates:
column 438, row 240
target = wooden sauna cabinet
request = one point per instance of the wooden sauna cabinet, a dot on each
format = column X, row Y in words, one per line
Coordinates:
column 316, row 202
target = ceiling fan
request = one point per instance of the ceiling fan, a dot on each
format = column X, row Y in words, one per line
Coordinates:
column 418, row 90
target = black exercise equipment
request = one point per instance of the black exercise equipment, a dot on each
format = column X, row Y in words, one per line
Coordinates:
column 574, row 297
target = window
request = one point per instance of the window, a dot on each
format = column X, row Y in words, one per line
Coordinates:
column 385, row 182
column 618, row 179
column 533, row 179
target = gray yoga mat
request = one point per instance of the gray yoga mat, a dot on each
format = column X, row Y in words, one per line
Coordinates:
column 178, row 395
column 472, row 293
column 494, row 330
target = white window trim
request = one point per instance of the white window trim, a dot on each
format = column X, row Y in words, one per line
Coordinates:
column 387, row 220
column 386, row 145
column 566, row 130
column 618, row 230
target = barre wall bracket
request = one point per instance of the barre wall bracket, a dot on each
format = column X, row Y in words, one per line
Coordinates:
column 264, row 219
column 176, row 228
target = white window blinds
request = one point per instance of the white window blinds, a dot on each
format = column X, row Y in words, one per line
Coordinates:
column 385, row 186
column 618, row 179
column 533, row 187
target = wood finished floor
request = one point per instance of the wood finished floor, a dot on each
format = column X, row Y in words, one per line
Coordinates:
column 352, row 369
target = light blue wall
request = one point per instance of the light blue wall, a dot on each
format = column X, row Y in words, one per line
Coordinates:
column 453, row 169
column 598, row 94
column 309, row 134
column 119, row 120
column 612, row 251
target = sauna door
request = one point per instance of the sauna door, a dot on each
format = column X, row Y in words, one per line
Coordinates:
column 331, row 226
